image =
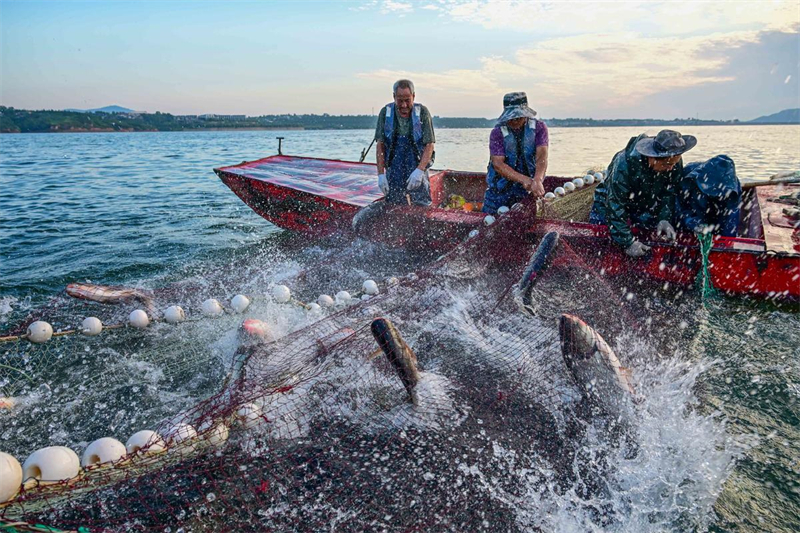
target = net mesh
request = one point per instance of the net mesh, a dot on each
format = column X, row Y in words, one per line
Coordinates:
column 313, row 431
column 573, row 207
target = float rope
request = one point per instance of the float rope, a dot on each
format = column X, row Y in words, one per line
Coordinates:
column 703, row 276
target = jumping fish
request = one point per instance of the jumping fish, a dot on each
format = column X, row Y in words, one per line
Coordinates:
column 112, row 295
column 594, row 366
column 399, row 354
column 536, row 265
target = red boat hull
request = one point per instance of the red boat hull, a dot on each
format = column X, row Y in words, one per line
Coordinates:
column 321, row 197
column 737, row 266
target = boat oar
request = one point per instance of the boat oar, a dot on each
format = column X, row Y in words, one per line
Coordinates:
column 782, row 178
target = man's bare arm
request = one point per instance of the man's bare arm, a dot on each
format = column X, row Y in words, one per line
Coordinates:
column 427, row 153
column 541, row 170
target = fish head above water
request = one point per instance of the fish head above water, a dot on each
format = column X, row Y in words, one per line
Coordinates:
column 590, row 360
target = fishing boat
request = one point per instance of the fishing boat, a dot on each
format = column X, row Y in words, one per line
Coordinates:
column 321, row 197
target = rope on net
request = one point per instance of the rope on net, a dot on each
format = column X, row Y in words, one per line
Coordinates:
column 703, row 281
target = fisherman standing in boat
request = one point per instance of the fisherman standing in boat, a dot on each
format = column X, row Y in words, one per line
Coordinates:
column 518, row 155
column 640, row 189
column 405, row 145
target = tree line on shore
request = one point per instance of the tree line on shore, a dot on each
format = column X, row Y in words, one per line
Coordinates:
column 24, row 121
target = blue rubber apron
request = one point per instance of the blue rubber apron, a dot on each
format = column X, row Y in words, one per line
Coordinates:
column 403, row 163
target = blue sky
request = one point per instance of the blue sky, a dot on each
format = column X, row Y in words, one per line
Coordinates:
column 575, row 59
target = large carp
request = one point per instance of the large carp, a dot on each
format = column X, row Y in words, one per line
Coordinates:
column 595, row 367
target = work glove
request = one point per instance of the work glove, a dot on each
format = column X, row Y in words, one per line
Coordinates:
column 665, row 229
column 415, row 179
column 703, row 229
column 383, row 183
column 637, row 249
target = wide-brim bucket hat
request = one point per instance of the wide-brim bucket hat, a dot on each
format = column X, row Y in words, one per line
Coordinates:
column 667, row 143
column 515, row 105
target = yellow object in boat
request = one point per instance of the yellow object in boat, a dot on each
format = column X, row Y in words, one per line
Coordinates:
column 455, row 201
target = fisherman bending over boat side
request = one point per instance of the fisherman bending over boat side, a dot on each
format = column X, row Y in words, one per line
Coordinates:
column 640, row 189
column 405, row 144
column 518, row 155
column 708, row 197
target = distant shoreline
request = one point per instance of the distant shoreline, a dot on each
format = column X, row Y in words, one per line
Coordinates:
column 25, row 121
column 109, row 130
column 256, row 128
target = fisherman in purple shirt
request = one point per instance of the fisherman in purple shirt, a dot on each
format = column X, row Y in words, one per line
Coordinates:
column 518, row 155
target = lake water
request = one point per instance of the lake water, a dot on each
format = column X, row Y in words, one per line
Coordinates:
column 146, row 209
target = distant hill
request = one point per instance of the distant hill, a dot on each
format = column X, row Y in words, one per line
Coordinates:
column 106, row 109
column 787, row 116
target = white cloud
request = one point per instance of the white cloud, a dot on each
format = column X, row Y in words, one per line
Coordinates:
column 651, row 18
column 390, row 6
column 595, row 71
column 365, row 6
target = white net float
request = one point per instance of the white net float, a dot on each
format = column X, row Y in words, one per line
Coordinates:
column 240, row 303
column 248, row 415
column 281, row 294
column 343, row 297
column 10, row 476
column 138, row 319
column 146, row 440
column 91, row 326
column 215, row 435
column 174, row 314
column 104, row 450
column 211, row 307
column 39, row 332
column 325, row 301
column 370, row 287
column 181, row 433
column 54, row 463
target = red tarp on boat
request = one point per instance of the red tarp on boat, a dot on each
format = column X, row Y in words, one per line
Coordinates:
column 352, row 183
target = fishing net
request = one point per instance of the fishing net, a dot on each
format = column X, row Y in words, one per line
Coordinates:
column 573, row 207
column 310, row 428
